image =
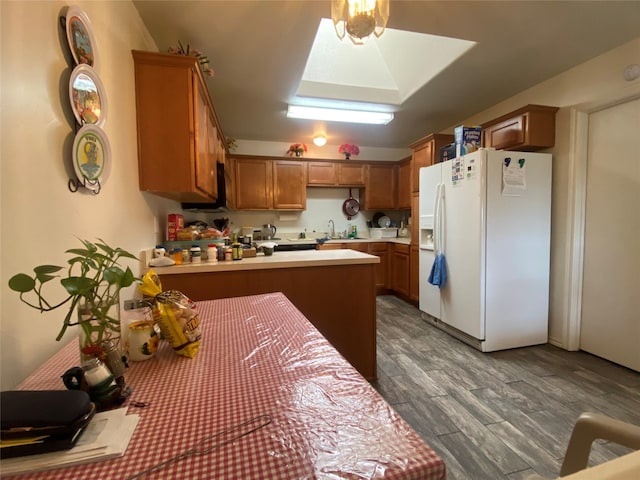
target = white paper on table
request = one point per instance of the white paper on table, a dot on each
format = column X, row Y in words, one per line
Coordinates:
column 107, row 436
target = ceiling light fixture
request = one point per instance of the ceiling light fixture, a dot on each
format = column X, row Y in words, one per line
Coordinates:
column 359, row 18
column 319, row 140
column 338, row 115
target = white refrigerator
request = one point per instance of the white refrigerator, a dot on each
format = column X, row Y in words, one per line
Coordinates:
column 489, row 213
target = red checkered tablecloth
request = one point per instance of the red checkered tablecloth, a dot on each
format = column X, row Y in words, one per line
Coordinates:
column 258, row 356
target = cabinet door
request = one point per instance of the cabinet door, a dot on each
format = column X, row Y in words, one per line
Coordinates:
column 358, row 246
column 400, row 272
column 350, row 175
column 289, row 185
column 321, row 173
column 404, row 186
column 426, row 151
column 254, row 184
column 206, row 144
column 380, row 187
column 230, row 181
column 379, row 249
column 414, row 279
column 529, row 128
column 331, row 246
column 422, row 157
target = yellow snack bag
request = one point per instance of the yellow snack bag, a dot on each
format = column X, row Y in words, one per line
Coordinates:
column 175, row 314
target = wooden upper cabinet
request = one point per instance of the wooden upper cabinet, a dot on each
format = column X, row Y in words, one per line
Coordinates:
column 350, row 175
column 426, row 151
column 207, row 145
column 321, row 173
column 289, row 180
column 380, row 187
column 269, row 184
column 176, row 126
column 333, row 173
column 254, row 184
column 529, row 128
column 403, row 200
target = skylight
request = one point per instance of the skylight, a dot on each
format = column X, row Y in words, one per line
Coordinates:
column 383, row 71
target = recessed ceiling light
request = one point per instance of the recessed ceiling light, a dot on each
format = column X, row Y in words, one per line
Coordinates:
column 339, row 115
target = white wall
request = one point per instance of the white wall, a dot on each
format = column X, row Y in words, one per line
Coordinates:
column 323, row 204
column 40, row 217
column 596, row 82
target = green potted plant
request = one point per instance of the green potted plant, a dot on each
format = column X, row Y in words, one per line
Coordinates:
column 93, row 283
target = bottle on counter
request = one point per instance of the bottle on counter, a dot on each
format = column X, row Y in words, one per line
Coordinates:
column 236, row 251
column 228, row 254
column 212, row 253
column 176, row 255
column 196, row 254
column 186, row 256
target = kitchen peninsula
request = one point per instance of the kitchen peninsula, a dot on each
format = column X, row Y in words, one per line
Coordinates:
column 334, row 289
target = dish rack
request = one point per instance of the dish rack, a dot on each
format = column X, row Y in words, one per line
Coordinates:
column 383, row 232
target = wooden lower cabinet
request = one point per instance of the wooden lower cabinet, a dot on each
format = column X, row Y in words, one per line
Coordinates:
column 393, row 273
column 414, row 276
column 400, row 269
column 379, row 249
column 338, row 299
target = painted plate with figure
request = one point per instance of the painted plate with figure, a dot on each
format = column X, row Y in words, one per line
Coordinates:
column 80, row 37
column 92, row 157
column 87, row 96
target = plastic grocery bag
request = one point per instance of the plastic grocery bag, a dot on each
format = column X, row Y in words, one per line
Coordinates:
column 175, row 314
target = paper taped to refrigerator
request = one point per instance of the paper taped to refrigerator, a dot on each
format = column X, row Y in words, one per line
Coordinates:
column 514, row 177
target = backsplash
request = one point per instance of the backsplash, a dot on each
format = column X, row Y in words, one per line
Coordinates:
column 323, row 204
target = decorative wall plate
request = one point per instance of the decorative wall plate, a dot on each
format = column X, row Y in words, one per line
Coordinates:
column 80, row 37
column 87, row 96
column 92, row 157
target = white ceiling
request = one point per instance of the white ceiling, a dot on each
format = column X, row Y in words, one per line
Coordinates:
column 259, row 50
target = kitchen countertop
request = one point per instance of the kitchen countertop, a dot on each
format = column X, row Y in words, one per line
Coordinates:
column 305, row 258
column 401, row 240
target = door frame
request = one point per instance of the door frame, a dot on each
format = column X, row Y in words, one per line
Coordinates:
column 574, row 245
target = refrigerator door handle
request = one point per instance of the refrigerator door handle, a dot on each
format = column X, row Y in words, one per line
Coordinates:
column 436, row 220
column 441, row 220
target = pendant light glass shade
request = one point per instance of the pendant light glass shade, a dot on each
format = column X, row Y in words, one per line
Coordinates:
column 359, row 18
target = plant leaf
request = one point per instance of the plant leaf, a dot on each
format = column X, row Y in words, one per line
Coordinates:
column 43, row 272
column 78, row 285
column 112, row 275
column 127, row 278
column 22, row 282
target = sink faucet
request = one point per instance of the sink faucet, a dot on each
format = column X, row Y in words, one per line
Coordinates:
column 333, row 228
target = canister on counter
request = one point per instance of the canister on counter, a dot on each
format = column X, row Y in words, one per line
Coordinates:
column 176, row 255
column 227, row 253
column 221, row 253
column 186, row 257
column 196, row 254
column 236, row 251
column 212, row 253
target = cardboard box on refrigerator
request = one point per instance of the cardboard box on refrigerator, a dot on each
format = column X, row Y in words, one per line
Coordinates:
column 467, row 139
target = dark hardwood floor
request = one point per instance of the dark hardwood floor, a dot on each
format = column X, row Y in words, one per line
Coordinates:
column 500, row 415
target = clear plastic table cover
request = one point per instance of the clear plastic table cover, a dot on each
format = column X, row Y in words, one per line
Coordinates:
column 259, row 356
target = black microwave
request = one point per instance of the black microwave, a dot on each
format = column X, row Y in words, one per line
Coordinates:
column 220, row 205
